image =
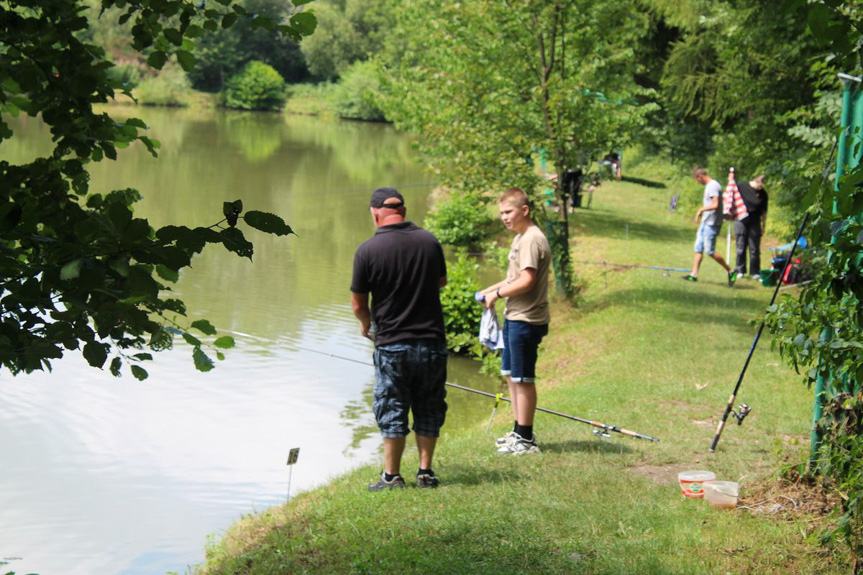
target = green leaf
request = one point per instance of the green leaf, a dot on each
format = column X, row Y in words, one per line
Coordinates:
column 304, row 22
column 140, row 373
column 234, row 241
column 96, row 353
column 157, row 59
column 116, row 364
column 224, row 342
column 204, row 327
column 72, row 269
column 202, row 361
column 186, row 60
column 191, row 339
column 174, row 36
column 232, row 208
column 220, row 356
column 263, row 22
column 267, row 222
column 229, row 20
column 167, row 273
column 819, row 22
column 194, row 31
column 300, row 2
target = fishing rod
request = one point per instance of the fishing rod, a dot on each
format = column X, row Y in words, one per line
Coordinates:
column 499, row 397
column 745, row 409
column 605, row 428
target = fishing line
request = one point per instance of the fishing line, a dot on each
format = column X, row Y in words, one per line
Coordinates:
column 367, row 189
column 612, row 264
column 640, row 266
column 497, row 397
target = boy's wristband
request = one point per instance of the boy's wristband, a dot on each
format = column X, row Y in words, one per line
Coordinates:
column 497, row 291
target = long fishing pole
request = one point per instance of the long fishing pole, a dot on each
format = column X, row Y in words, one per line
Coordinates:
column 498, row 397
column 598, row 424
column 744, row 409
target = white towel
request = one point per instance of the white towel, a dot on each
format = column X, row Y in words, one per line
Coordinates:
column 490, row 334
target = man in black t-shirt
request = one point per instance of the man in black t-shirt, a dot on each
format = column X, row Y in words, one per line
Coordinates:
column 403, row 268
column 749, row 230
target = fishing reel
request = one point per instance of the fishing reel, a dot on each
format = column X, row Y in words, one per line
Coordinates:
column 741, row 415
column 601, row 433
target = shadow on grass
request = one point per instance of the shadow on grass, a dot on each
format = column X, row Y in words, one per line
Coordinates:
column 606, row 225
column 462, row 475
column 643, row 182
column 582, row 446
column 688, row 301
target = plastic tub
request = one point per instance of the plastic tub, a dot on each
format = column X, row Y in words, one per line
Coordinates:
column 722, row 494
column 692, row 482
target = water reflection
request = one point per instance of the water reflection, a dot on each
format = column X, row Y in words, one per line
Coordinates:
column 115, row 476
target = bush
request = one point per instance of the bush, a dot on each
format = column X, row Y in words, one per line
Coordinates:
column 169, row 88
column 256, row 87
column 461, row 312
column 461, row 220
column 355, row 96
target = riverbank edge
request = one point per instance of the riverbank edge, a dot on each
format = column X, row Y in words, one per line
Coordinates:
column 303, row 100
column 339, row 527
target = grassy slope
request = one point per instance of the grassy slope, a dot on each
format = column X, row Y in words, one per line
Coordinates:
column 644, row 351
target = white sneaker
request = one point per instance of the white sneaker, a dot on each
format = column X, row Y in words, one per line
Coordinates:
column 519, row 446
column 505, row 439
column 509, row 438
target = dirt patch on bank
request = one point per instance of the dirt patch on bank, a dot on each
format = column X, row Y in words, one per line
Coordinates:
column 659, row 474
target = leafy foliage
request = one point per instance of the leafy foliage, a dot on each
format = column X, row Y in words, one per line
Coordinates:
column 509, row 79
column 256, row 87
column 756, row 86
column 223, row 53
column 349, row 32
column 462, row 220
column 461, row 311
column 820, row 333
column 357, row 94
column 170, row 87
column 79, row 270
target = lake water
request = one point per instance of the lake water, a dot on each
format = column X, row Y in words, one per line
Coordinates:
column 115, row 476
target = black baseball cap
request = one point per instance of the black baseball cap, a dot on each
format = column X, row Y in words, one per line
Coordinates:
column 381, row 195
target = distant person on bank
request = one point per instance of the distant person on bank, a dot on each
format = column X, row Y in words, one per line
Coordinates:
column 710, row 216
column 749, row 231
column 526, row 316
column 403, row 268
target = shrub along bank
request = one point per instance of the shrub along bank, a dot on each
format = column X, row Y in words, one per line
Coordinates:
column 644, row 351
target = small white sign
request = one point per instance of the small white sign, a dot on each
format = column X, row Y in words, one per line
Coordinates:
column 293, row 455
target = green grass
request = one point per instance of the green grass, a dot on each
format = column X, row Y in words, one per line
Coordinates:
column 643, row 351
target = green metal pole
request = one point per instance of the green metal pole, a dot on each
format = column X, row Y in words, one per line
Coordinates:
column 849, row 85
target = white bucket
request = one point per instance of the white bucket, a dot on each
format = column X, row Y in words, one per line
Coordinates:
column 692, row 482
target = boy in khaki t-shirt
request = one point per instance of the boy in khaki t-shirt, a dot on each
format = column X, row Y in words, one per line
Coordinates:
column 526, row 316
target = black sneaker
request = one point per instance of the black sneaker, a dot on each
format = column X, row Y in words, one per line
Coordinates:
column 425, row 480
column 689, row 278
column 397, row 482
